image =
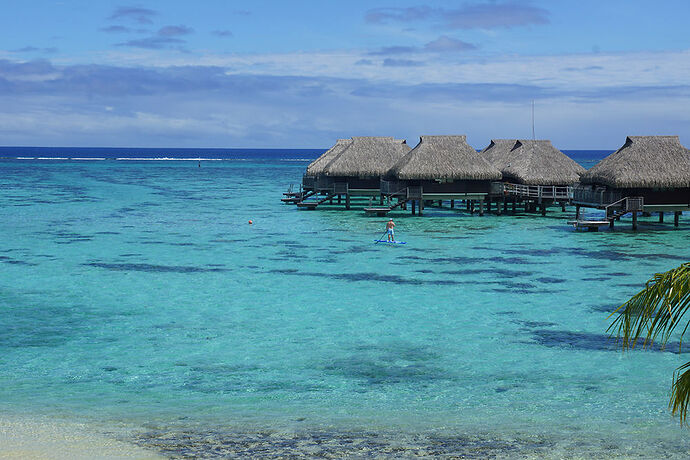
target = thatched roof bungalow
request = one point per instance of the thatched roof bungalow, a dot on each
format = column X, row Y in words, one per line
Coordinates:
column 316, row 167
column 498, row 151
column 538, row 162
column 443, row 160
column 654, row 168
column 441, row 168
column 359, row 166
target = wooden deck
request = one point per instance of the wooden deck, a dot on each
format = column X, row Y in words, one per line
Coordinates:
column 590, row 225
column 379, row 211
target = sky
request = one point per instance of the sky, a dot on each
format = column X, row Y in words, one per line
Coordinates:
column 302, row 74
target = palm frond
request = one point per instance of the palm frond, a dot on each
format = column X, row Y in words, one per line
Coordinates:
column 655, row 312
column 680, row 392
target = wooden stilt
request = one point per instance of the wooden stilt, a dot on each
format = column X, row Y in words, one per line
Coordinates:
column 498, row 208
column 481, row 207
column 577, row 212
column 505, row 206
column 471, row 206
column 514, row 206
column 543, row 209
column 347, row 201
column 421, row 207
column 526, row 206
column 413, row 210
column 562, row 207
column 339, row 198
column 634, row 220
column 452, row 204
column 676, row 217
column 661, row 217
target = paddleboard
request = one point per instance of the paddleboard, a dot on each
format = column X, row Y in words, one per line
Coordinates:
column 390, row 242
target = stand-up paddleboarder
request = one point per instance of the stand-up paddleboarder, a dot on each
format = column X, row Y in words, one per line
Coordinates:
column 389, row 229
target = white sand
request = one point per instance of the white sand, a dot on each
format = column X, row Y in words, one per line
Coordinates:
column 44, row 438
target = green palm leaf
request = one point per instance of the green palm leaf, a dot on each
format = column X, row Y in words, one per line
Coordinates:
column 653, row 314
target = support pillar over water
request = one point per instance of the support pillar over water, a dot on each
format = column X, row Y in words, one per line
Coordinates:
column 339, row 198
column 413, row 210
column 505, row 205
column 634, row 220
column 543, row 209
column 347, row 201
column 577, row 212
column 471, row 206
column 421, row 206
column 661, row 217
column 562, row 207
column 514, row 206
column 452, row 204
column 467, row 202
column 481, row 207
column 676, row 218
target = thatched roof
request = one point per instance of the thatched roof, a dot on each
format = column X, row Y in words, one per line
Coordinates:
column 444, row 157
column 316, row 167
column 643, row 162
column 497, row 152
column 367, row 157
column 537, row 162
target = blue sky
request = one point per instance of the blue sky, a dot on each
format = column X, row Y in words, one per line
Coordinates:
column 215, row 73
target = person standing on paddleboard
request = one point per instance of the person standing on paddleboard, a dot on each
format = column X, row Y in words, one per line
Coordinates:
column 389, row 228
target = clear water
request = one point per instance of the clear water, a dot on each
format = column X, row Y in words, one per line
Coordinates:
column 136, row 294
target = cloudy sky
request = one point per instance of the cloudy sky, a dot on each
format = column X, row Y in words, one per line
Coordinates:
column 260, row 73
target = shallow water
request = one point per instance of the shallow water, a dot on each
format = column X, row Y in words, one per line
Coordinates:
column 136, row 294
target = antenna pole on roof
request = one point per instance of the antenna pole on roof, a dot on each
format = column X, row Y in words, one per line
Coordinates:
column 533, row 138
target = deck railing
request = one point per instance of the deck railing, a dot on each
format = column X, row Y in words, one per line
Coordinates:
column 341, row 188
column 308, row 182
column 599, row 196
column 323, row 184
column 547, row 192
column 414, row 192
column 393, row 187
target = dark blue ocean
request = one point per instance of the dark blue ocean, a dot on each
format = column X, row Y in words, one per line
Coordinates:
column 584, row 157
column 140, row 310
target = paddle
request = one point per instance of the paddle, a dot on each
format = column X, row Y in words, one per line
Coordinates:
column 379, row 239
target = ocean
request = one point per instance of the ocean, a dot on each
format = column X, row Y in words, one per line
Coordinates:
column 140, row 313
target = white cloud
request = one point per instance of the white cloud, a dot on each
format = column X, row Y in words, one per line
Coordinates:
column 558, row 72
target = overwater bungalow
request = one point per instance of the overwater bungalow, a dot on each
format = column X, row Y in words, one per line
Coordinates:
column 440, row 168
column 353, row 168
column 311, row 185
column 497, row 152
column 647, row 174
column 315, row 169
column 534, row 172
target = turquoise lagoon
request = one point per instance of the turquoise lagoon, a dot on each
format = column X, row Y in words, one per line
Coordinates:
column 136, row 298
